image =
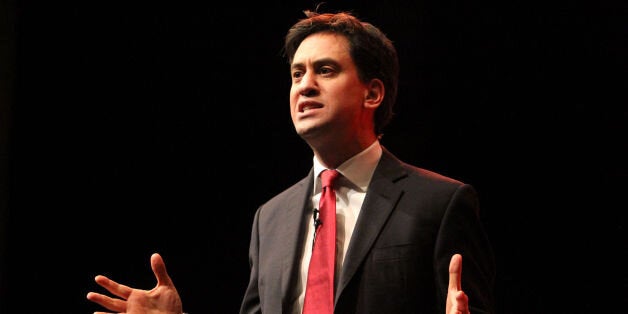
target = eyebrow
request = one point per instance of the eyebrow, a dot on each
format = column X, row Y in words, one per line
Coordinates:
column 317, row 63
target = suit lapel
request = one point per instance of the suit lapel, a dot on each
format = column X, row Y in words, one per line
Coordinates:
column 381, row 197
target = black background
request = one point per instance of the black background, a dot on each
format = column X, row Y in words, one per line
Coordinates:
column 133, row 127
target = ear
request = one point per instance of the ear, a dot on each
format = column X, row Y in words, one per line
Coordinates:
column 374, row 94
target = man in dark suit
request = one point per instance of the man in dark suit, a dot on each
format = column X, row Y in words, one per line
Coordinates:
column 402, row 231
column 399, row 225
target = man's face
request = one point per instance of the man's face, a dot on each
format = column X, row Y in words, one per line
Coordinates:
column 327, row 97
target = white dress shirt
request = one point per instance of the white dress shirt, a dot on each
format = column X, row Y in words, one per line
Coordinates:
column 350, row 192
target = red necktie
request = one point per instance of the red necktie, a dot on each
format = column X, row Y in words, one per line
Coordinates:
column 319, row 293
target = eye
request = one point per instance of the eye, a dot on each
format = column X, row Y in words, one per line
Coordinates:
column 297, row 74
column 326, row 71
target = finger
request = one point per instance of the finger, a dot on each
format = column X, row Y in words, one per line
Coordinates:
column 113, row 287
column 109, row 303
column 159, row 269
column 462, row 302
column 455, row 272
column 457, row 303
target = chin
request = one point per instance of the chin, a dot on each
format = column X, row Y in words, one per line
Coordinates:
column 306, row 132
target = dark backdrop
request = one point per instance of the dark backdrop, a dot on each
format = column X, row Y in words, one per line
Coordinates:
column 133, row 127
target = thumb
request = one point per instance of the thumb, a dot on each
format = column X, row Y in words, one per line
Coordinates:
column 455, row 272
column 159, row 269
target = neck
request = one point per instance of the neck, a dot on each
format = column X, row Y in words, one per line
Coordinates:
column 332, row 155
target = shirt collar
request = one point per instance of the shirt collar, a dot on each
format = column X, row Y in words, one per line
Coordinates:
column 357, row 169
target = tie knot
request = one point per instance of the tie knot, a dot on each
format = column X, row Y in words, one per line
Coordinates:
column 328, row 177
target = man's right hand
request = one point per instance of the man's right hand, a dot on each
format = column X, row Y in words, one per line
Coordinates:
column 162, row 299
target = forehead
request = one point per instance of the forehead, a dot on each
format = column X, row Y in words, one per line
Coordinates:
column 321, row 46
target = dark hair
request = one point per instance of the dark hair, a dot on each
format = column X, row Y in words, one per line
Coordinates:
column 372, row 51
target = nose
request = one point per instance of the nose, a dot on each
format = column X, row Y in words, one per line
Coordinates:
column 307, row 85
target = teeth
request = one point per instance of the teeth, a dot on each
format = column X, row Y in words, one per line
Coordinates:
column 308, row 107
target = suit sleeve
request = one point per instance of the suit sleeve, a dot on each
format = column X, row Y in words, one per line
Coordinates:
column 461, row 231
column 251, row 300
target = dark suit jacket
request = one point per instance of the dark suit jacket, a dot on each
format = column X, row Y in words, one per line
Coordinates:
column 411, row 222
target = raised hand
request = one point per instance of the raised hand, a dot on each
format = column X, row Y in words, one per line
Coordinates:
column 457, row 300
column 162, row 299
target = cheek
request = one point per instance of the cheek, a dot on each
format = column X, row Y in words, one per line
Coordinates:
column 293, row 104
column 293, row 97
